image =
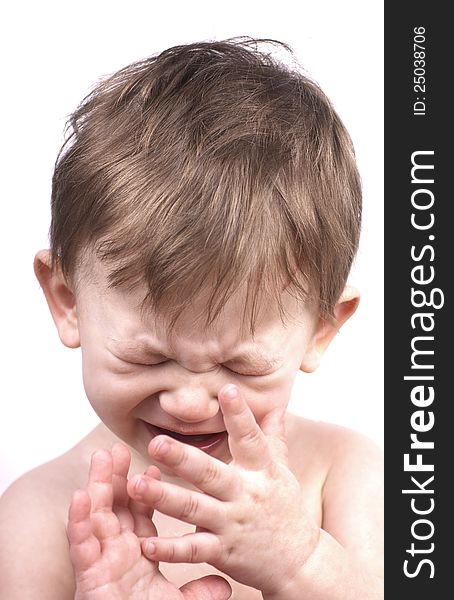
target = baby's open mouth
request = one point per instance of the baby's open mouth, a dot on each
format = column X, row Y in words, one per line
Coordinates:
column 205, row 441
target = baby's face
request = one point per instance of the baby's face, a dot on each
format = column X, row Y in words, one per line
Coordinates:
column 142, row 382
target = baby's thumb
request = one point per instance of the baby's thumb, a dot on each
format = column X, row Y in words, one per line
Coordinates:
column 211, row 587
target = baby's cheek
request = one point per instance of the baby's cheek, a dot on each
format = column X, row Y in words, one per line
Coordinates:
column 276, row 385
column 107, row 390
column 267, row 399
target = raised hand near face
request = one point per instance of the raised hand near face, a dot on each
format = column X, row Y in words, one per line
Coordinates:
column 105, row 531
column 249, row 515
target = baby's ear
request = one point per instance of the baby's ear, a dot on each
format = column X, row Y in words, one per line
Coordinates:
column 59, row 297
column 325, row 331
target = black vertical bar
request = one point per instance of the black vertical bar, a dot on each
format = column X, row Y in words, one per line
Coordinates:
column 419, row 256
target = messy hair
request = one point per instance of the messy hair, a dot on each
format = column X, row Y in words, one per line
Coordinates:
column 210, row 165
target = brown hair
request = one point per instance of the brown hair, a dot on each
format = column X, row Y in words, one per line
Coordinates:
column 209, row 166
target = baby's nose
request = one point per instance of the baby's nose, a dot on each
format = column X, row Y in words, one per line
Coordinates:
column 189, row 403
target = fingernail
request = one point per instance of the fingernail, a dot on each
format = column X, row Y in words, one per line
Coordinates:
column 163, row 447
column 140, row 485
column 231, row 392
column 150, row 548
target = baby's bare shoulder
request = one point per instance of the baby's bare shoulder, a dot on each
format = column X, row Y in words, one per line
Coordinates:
column 45, row 488
column 34, row 554
column 48, row 488
column 349, row 467
column 326, row 447
column 33, row 545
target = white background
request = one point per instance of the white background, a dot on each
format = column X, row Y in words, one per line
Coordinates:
column 52, row 54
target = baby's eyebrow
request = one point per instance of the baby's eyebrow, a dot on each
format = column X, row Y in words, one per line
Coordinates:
column 256, row 359
column 253, row 358
column 131, row 347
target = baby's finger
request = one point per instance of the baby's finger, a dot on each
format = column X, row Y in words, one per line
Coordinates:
column 195, row 466
column 100, row 480
column 153, row 471
column 104, row 522
column 187, row 505
column 190, row 548
column 209, row 587
column 142, row 513
column 121, row 459
column 84, row 547
column 247, row 442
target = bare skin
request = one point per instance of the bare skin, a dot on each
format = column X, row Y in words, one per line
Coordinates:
column 36, row 508
column 284, row 513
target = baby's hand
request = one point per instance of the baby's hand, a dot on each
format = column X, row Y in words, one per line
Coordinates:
column 105, row 530
column 250, row 518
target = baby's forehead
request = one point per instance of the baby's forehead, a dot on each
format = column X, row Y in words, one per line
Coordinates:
column 270, row 314
column 229, row 332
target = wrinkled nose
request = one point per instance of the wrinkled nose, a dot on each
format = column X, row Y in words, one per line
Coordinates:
column 190, row 403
